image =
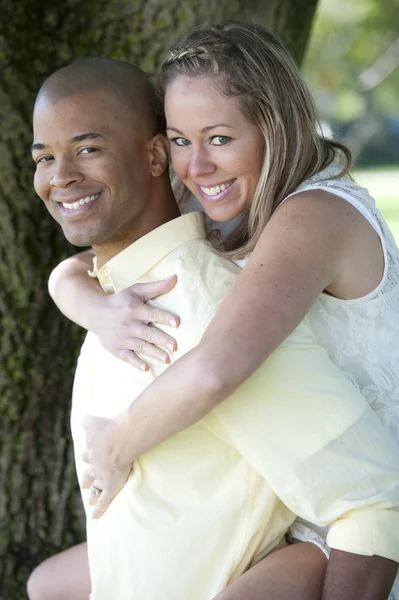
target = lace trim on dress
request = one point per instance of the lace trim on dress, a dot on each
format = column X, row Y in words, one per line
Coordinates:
column 299, row 532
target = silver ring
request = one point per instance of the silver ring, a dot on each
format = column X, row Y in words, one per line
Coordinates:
column 95, row 490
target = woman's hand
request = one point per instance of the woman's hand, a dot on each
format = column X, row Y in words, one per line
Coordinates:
column 105, row 475
column 126, row 327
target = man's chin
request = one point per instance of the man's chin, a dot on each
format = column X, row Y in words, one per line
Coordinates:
column 80, row 239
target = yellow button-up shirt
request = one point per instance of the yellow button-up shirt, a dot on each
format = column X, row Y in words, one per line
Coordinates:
column 295, row 439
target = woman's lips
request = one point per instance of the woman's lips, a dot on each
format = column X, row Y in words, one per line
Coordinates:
column 216, row 192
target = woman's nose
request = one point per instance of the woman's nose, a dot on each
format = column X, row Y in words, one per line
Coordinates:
column 200, row 164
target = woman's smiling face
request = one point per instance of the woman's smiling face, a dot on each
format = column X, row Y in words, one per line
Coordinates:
column 215, row 150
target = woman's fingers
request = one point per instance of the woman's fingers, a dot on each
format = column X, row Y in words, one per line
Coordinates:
column 104, row 500
column 148, row 345
column 86, row 455
column 150, row 314
column 131, row 358
column 148, row 291
column 155, row 336
column 130, row 333
column 96, row 491
column 87, row 479
column 149, row 350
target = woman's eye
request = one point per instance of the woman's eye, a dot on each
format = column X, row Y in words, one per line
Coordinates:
column 88, row 150
column 180, row 141
column 220, row 140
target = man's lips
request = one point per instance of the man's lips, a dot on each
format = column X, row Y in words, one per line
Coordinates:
column 76, row 204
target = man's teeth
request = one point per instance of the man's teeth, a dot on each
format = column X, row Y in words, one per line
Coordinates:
column 214, row 191
column 80, row 202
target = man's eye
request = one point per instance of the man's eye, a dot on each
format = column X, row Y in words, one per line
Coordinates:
column 180, row 141
column 220, row 140
column 43, row 159
column 88, row 150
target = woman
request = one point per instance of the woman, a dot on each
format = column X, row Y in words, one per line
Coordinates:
column 244, row 141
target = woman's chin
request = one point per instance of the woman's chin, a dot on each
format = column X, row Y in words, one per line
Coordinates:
column 222, row 214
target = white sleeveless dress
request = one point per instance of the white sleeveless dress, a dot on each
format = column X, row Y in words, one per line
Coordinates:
column 361, row 335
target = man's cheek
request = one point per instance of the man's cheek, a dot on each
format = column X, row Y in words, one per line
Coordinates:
column 39, row 187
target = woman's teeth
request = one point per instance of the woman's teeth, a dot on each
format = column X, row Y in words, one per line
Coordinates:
column 214, row 191
column 80, row 202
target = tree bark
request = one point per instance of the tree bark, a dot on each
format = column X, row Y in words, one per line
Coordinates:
column 40, row 510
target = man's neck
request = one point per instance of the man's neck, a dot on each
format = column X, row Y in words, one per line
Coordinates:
column 162, row 212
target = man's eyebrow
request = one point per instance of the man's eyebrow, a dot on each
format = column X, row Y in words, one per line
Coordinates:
column 75, row 140
column 37, row 146
column 203, row 130
column 86, row 136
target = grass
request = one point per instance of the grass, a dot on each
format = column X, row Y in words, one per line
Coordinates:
column 383, row 185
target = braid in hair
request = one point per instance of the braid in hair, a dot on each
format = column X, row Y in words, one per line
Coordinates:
column 200, row 53
column 178, row 54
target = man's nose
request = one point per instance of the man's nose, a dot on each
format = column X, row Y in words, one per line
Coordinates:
column 66, row 174
column 200, row 163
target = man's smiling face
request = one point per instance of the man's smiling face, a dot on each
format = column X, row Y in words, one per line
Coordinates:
column 92, row 171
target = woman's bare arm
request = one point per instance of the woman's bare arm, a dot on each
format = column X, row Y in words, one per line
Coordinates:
column 302, row 252
column 72, row 290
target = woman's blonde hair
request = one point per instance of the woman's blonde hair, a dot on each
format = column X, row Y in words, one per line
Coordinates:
column 251, row 64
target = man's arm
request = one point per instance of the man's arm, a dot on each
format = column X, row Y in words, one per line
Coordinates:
column 354, row 577
column 302, row 425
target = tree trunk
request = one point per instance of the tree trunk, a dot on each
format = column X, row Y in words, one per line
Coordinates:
column 40, row 510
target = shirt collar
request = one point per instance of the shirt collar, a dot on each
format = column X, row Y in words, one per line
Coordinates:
column 138, row 258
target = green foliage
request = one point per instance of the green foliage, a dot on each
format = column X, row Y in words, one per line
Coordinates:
column 347, row 39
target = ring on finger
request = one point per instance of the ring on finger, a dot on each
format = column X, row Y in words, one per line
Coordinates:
column 95, row 490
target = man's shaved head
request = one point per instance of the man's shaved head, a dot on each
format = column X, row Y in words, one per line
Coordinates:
column 129, row 84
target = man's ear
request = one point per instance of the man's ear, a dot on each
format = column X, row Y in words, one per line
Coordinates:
column 158, row 154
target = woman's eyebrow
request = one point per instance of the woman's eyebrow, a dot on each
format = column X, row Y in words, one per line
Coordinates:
column 204, row 129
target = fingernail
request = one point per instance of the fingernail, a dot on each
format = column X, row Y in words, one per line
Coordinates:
column 144, row 367
column 171, row 346
column 173, row 322
column 166, row 359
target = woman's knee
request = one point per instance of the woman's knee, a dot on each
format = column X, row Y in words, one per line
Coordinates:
column 64, row 576
column 39, row 586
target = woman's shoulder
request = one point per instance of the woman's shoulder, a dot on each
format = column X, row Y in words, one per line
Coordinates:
column 330, row 180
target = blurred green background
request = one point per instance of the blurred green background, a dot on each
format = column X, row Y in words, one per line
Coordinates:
column 352, row 68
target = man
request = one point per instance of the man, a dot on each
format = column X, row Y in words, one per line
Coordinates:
column 201, row 508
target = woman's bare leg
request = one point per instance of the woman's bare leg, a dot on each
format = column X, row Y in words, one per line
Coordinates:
column 295, row 572
column 64, row 576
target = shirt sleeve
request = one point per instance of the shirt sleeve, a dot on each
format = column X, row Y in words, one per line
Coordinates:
column 303, row 426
